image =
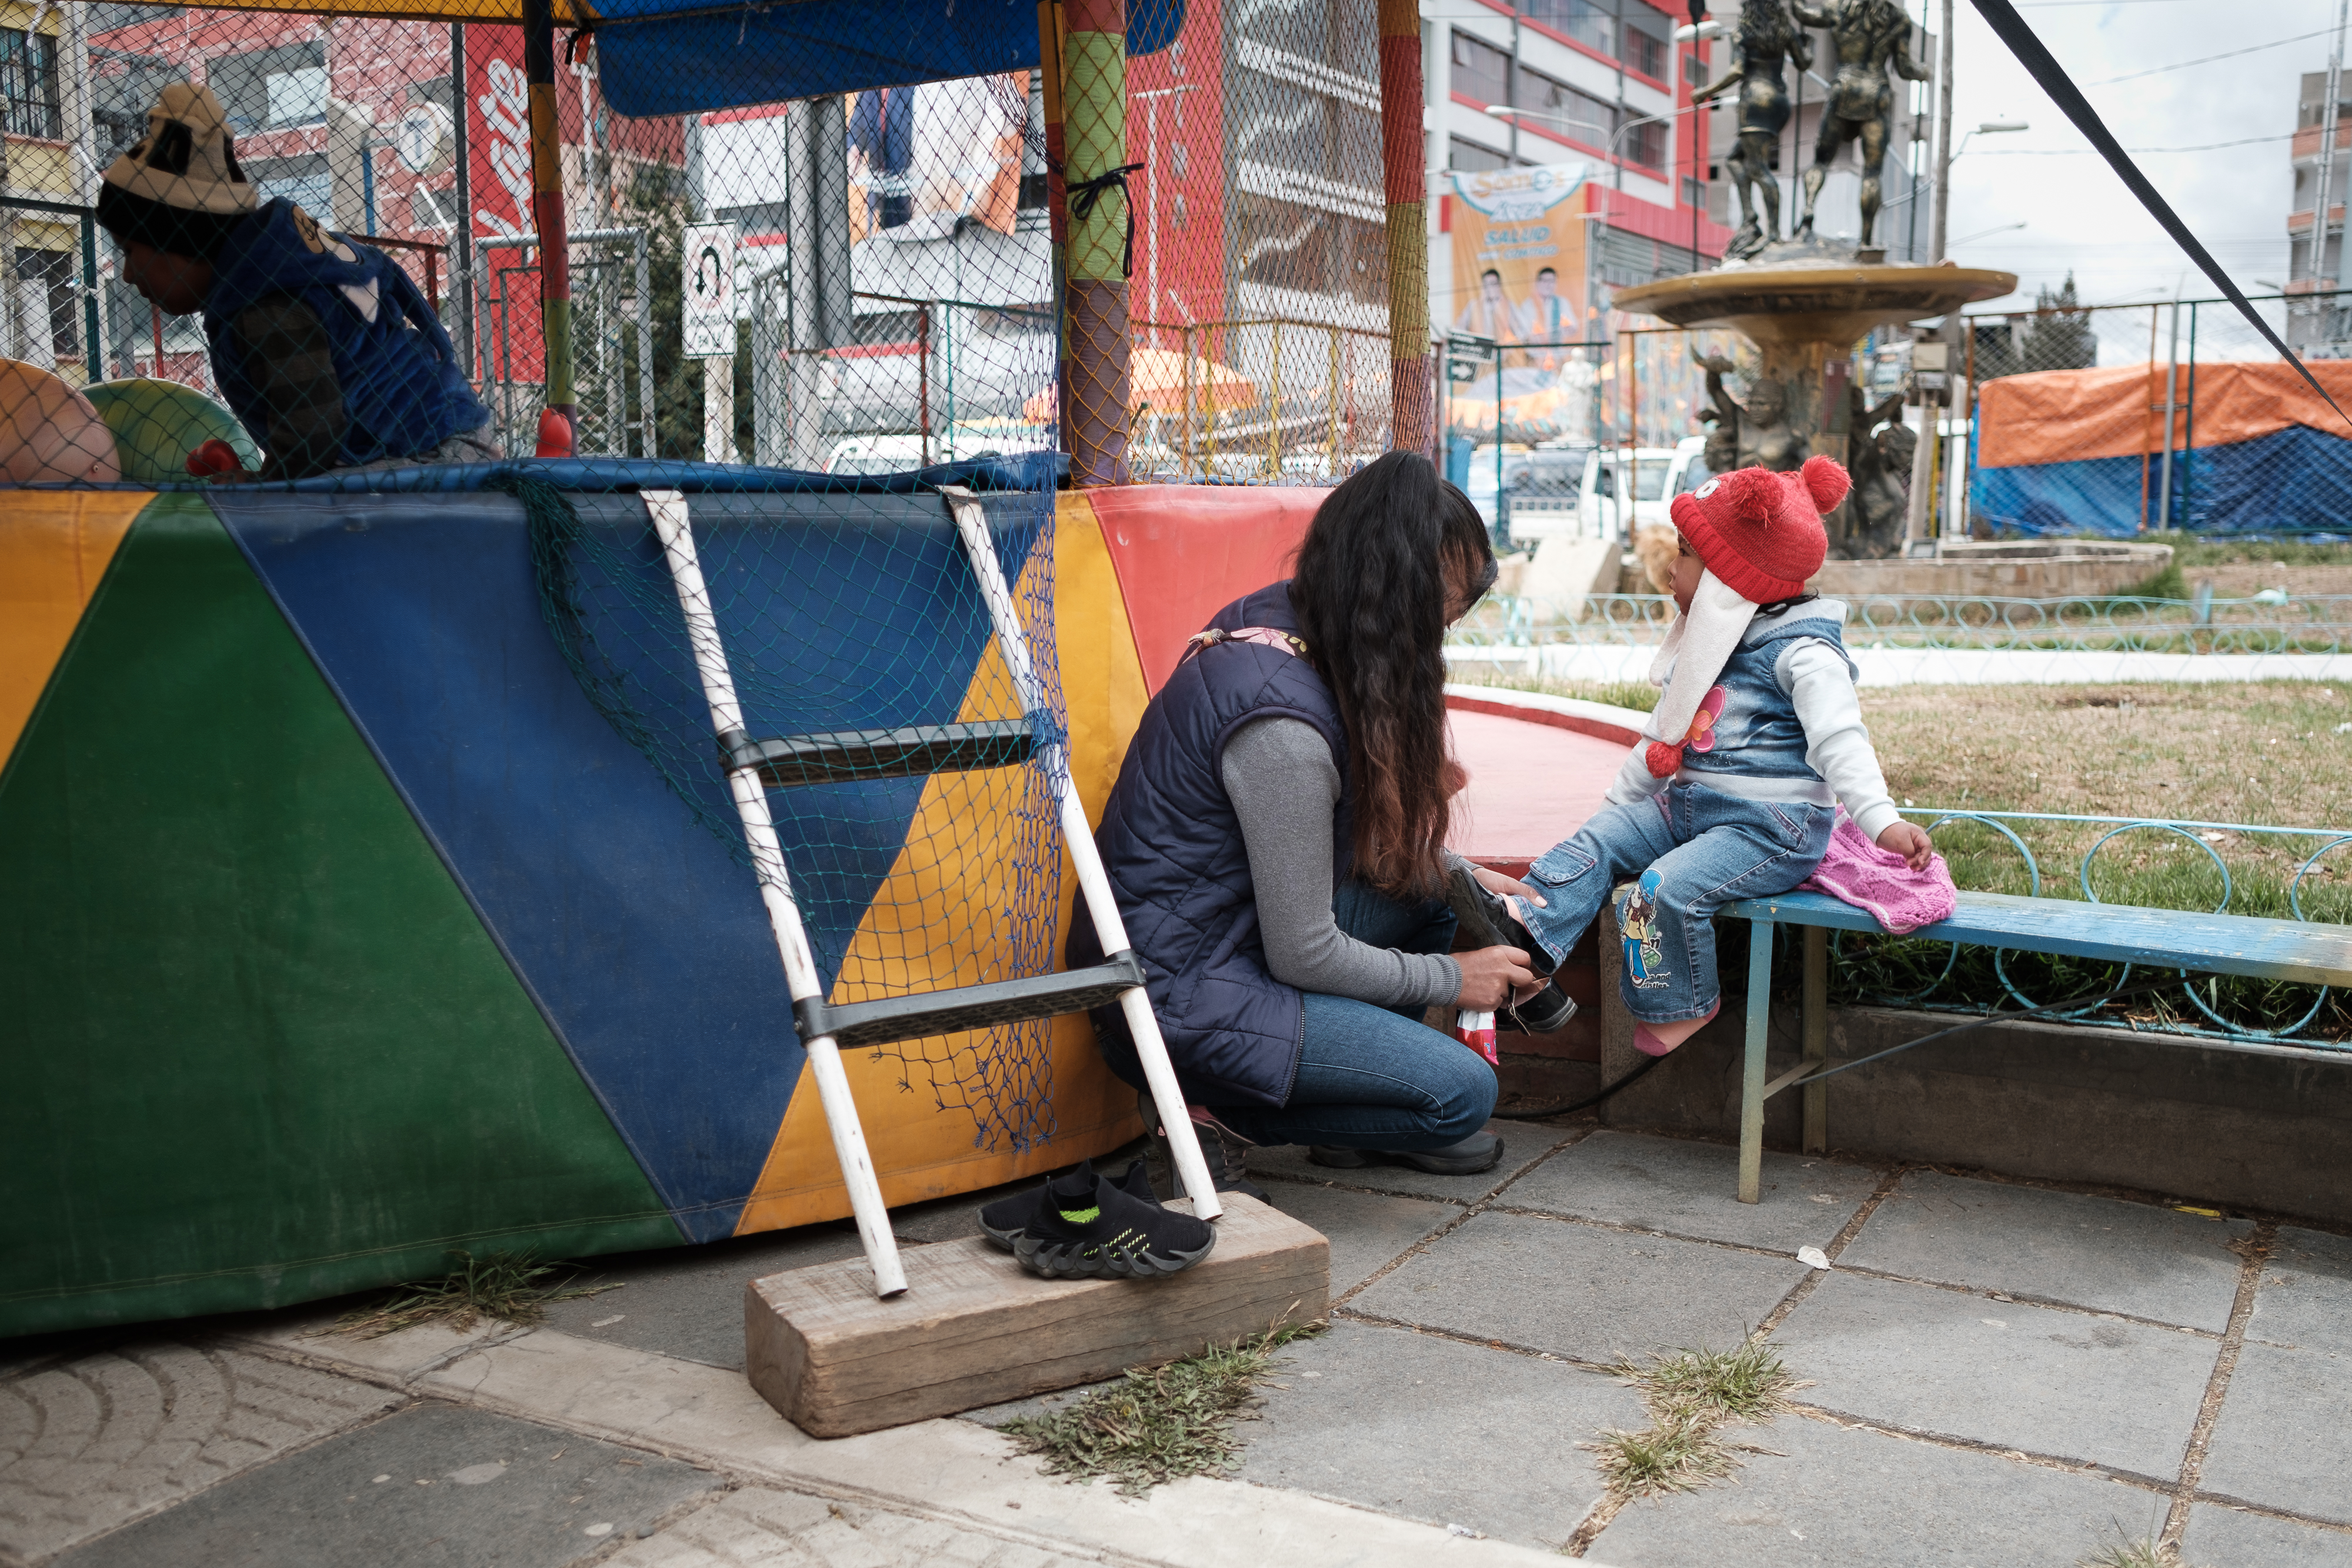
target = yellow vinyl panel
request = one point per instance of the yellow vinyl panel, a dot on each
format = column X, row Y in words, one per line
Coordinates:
column 920, row 1151
column 54, row 547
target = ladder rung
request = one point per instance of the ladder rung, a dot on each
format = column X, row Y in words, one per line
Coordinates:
column 929, row 1013
column 849, row 756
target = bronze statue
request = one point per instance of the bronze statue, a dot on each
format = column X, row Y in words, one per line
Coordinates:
column 1868, row 35
column 1766, row 36
column 1756, row 435
column 1879, row 459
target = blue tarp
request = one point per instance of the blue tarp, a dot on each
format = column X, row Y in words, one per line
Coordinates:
column 661, row 56
column 2294, row 481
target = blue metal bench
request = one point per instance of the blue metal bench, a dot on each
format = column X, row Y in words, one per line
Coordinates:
column 2310, row 954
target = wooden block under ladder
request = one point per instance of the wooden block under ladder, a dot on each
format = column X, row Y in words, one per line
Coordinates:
column 974, row 1328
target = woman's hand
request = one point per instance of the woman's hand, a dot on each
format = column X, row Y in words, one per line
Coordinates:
column 1492, row 976
column 1502, row 886
column 1911, row 841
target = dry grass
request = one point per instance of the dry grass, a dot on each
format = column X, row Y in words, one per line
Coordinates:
column 514, row 1290
column 1159, row 1424
column 1692, row 1396
column 2145, row 1552
column 2218, row 752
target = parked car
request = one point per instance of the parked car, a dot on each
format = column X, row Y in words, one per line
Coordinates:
column 1624, row 489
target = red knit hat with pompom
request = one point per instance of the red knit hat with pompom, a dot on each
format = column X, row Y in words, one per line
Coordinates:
column 1760, row 532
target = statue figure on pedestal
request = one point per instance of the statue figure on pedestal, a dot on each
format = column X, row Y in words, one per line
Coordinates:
column 1756, row 435
column 1878, row 457
column 1868, row 35
column 1766, row 38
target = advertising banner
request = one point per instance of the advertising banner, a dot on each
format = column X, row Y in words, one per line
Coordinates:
column 1520, row 282
column 497, row 103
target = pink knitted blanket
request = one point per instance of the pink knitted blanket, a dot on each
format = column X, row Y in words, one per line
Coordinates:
column 1868, row 877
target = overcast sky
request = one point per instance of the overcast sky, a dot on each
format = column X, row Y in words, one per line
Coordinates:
column 2078, row 214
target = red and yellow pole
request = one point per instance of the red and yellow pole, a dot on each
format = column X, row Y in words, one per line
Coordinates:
column 547, row 212
column 1094, row 107
column 1050, row 27
column 1404, row 169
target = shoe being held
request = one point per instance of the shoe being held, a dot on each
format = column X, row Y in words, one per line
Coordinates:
column 1088, row 1228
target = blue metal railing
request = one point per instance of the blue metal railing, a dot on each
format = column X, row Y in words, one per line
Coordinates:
column 2267, row 622
column 2207, row 837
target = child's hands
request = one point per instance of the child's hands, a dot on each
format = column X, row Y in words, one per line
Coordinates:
column 1909, row 841
column 1502, row 886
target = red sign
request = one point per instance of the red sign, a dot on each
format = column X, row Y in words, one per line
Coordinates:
column 497, row 132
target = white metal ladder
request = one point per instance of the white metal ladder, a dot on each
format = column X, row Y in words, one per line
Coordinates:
column 754, row 767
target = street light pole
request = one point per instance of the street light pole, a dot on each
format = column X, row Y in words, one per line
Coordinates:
column 1943, row 139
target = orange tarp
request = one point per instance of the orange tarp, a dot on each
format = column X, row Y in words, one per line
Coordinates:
column 2118, row 411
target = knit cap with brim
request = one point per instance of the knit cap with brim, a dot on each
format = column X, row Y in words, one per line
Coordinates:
column 179, row 189
column 1760, row 532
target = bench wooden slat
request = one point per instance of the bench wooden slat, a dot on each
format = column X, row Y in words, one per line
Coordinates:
column 2314, row 954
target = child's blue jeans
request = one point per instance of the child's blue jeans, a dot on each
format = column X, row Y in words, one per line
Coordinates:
column 1694, row 850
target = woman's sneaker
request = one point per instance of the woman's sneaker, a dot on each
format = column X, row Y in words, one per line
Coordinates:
column 1223, row 1150
column 1478, row 1152
column 1003, row 1222
column 1090, row 1229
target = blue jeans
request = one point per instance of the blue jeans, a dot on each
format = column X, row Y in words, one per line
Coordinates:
column 1694, row 850
column 1372, row 1077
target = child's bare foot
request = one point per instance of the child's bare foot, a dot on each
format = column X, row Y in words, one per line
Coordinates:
column 1657, row 1038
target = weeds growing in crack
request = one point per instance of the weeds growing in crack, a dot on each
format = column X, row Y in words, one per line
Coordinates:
column 2125, row 1552
column 509, row 1288
column 1161, row 1423
column 1691, row 1395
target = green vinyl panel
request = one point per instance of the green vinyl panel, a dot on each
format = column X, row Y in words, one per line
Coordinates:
column 256, row 1048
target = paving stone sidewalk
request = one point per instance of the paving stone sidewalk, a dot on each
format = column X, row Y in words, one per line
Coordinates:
column 1996, row 1376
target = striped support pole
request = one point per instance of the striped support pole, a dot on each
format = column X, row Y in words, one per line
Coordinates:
column 547, row 206
column 1093, row 106
column 1404, row 163
column 1058, row 200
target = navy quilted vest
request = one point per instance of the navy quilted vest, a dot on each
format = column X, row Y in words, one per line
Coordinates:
column 1173, row 847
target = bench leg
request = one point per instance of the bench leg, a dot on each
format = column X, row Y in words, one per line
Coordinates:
column 1817, row 1036
column 1751, row 1083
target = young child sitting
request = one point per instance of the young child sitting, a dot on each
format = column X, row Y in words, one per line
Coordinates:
column 1757, row 738
column 324, row 349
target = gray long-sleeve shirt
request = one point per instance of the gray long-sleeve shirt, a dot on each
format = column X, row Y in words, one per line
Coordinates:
column 1279, row 775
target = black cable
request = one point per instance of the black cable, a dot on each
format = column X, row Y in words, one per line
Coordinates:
column 1589, row 1100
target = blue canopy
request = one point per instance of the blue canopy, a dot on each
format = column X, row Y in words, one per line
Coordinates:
column 686, row 57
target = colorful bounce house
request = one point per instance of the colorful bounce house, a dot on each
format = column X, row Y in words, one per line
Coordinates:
column 2253, row 450
column 375, row 893
column 375, row 890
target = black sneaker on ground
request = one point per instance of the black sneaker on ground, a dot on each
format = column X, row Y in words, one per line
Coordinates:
column 1546, row 1012
column 1221, row 1150
column 1478, row 1152
column 1003, row 1222
column 1088, row 1229
column 1484, row 920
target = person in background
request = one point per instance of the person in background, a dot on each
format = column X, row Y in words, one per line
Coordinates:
column 323, row 347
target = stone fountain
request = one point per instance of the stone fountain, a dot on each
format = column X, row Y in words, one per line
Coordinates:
column 1804, row 305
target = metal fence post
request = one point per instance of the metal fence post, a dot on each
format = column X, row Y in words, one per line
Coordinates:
column 645, row 410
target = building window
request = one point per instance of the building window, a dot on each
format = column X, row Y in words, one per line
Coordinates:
column 28, row 84
column 1643, row 52
column 1564, row 110
column 1646, row 145
column 1589, row 22
column 1693, row 192
column 270, row 90
column 1695, row 70
column 1481, row 71
column 1471, row 159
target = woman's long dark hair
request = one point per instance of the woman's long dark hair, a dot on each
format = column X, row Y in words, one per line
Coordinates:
column 1370, row 591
